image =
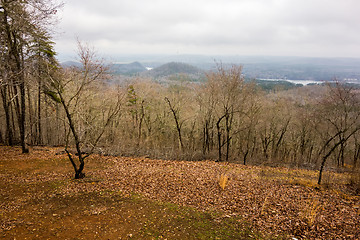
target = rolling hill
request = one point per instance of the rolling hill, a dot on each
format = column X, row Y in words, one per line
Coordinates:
column 173, row 68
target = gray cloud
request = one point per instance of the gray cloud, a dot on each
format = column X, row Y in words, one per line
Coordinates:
column 245, row 27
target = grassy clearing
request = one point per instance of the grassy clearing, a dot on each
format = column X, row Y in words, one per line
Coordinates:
column 111, row 215
column 38, row 201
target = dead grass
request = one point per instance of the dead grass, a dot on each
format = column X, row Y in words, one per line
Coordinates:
column 223, row 181
column 311, row 211
column 303, row 177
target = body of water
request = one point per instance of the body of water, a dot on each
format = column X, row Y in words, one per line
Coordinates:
column 302, row 82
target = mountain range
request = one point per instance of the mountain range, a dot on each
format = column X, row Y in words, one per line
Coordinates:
column 260, row 67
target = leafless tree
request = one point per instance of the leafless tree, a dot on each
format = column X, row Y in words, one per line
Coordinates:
column 226, row 86
column 71, row 90
column 340, row 113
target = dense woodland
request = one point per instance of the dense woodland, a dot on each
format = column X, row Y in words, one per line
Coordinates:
column 223, row 118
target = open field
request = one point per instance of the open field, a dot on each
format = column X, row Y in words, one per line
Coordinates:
column 140, row 198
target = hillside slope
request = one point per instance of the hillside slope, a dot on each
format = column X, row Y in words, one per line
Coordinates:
column 40, row 198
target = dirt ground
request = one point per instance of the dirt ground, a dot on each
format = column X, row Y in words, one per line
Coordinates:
column 140, row 198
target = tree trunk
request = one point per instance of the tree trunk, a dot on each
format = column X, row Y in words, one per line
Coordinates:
column 220, row 144
column 228, row 118
column 6, row 105
column 16, row 66
column 356, row 155
column 31, row 120
column 78, row 171
column 178, row 126
column 22, row 117
column 39, row 131
column 245, row 156
column 342, row 141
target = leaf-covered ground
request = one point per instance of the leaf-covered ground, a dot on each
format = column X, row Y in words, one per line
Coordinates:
column 141, row 198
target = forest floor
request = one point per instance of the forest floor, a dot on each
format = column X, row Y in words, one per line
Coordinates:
column 140, row 198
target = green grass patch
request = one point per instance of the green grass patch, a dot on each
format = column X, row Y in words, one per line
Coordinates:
column 171, row 221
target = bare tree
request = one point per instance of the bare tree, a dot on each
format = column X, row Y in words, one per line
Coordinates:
column 71, row 89
column 340, row 113
column 247, row 122
column 175, row 112
column 136, row 107
column 227, row 85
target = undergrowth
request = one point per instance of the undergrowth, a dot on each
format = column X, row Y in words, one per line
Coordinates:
column 185, row 222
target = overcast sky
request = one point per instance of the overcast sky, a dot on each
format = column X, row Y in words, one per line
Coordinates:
column 315, row 28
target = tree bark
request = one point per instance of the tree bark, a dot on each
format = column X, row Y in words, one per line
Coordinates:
column 178, row 126
column 39, row 130
column 220, row 144
column 16, row 65
column 6, row 105
column 78, row 170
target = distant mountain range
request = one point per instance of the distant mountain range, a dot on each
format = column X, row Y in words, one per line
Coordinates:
column 259, row 67
column 115, row 68
column 136, row 68
column 267, row 67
